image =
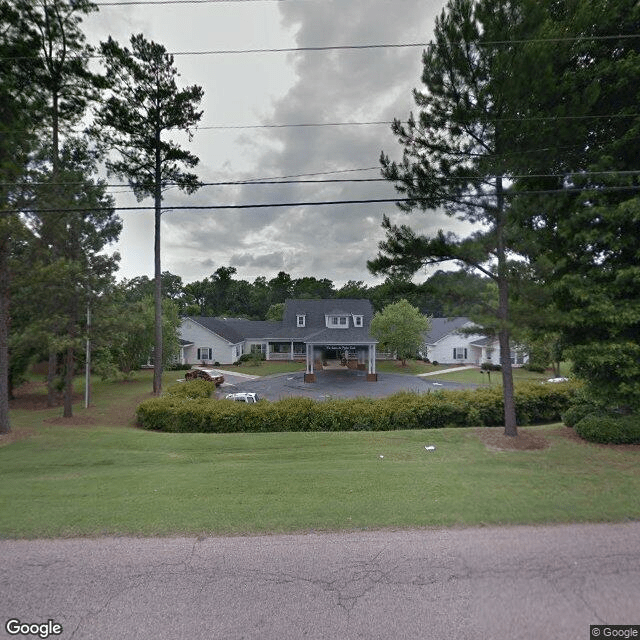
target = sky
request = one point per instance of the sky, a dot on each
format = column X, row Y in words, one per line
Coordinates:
column 249, row 89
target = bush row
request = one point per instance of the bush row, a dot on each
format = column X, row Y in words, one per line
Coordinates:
column 191, row 389
column 178, row 412
column 609, row 428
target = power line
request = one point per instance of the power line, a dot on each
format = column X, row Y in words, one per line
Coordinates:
column 285, row 180
column 346, row 47
column 273, row 205
column 299, row 124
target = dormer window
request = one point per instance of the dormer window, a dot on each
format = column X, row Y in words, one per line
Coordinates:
column 337, row 322
column 300, row 320
column 357, row 321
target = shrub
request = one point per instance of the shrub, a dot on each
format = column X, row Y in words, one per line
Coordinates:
column 185, row 410
column 490, row 366
column 610, row 428
column 191, row 389
column 253, row 358
column 576, row 412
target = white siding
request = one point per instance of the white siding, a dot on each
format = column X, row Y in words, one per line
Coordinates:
column 222, row 350
column 442, row 351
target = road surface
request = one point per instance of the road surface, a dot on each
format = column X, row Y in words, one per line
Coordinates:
column 530, row 582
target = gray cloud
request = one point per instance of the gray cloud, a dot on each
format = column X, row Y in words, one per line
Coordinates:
column 329, row 86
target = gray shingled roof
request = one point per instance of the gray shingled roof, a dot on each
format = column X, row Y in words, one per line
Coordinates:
column 315, row 330
column 440, row 327
column 232, row 329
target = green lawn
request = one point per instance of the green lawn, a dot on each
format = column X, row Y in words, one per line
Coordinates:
column 476, row 376
column 102, row 476
column 412, row 367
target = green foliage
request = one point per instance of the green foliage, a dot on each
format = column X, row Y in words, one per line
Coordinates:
column 143, row 102
column 275, row 312
column 576, row 412
column 399, row 327
column 124, row 333
column 255, row 358
column 534, row 403
column 191, row 389
column 610, row 428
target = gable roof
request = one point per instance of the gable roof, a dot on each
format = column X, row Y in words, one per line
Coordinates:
column 441, row 327
column 235, row 330
column 316, row 330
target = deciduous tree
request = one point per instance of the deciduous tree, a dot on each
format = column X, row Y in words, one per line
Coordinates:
column 399, row 328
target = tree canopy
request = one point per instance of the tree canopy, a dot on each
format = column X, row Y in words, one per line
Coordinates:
column 400, row 328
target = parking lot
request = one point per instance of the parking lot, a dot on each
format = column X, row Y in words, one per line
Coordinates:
column 332, row 384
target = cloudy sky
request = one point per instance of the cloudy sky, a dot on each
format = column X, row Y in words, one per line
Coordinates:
column 249, row 89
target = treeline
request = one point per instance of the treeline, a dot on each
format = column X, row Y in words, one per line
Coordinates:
column 222, row 294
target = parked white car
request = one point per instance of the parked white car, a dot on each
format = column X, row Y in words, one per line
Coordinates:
column 250, row 398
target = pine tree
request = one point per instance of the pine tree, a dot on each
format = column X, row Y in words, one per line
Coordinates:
column 456, row 154
column 143, row 106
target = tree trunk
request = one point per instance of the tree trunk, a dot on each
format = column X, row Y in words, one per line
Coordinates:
column 157, row 351
column 52, row 370
column 5, row 424
column 510, row 425
column 68, row 383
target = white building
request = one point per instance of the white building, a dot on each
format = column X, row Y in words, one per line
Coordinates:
column 454, row 341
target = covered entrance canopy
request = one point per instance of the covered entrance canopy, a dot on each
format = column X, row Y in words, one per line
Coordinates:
column 360, row 356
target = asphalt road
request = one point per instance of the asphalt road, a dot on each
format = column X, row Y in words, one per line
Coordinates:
column 537, row 583
column 335, row 384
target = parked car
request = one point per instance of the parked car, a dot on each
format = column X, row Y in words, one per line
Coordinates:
column 250, row 398
column 211, row 375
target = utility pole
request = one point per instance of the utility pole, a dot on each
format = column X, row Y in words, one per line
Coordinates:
column 87, row 373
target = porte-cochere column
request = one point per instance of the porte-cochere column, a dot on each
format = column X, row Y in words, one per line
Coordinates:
column 309, row 375
column 372, row 376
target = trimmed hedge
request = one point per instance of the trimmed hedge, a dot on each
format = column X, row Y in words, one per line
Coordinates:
column 177, row 412
column 191, row 389
column 610, row 428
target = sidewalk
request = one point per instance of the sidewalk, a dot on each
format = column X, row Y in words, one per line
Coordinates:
column 452, row 370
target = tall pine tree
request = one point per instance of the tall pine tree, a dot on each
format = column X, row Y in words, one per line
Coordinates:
column 144, row 106
column 456, row 154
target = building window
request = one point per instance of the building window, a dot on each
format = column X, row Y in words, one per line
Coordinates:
column 459, row 353
column 357, row 321
column 337, row 322
column 205, row 353
column 300, row 320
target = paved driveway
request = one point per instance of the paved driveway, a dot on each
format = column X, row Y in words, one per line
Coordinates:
column 335, row 384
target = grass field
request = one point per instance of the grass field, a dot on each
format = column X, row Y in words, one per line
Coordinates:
column 490, row 378
column 96, row 475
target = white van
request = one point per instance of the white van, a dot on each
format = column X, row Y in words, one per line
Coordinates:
column 251, row 398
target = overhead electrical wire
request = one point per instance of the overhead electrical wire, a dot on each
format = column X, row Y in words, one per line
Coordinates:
column 344, row 47
column 275, row 181
column 275, row 205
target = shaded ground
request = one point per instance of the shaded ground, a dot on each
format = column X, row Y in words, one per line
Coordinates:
column 494, row 439
column 33, row 395
column 570, row 434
